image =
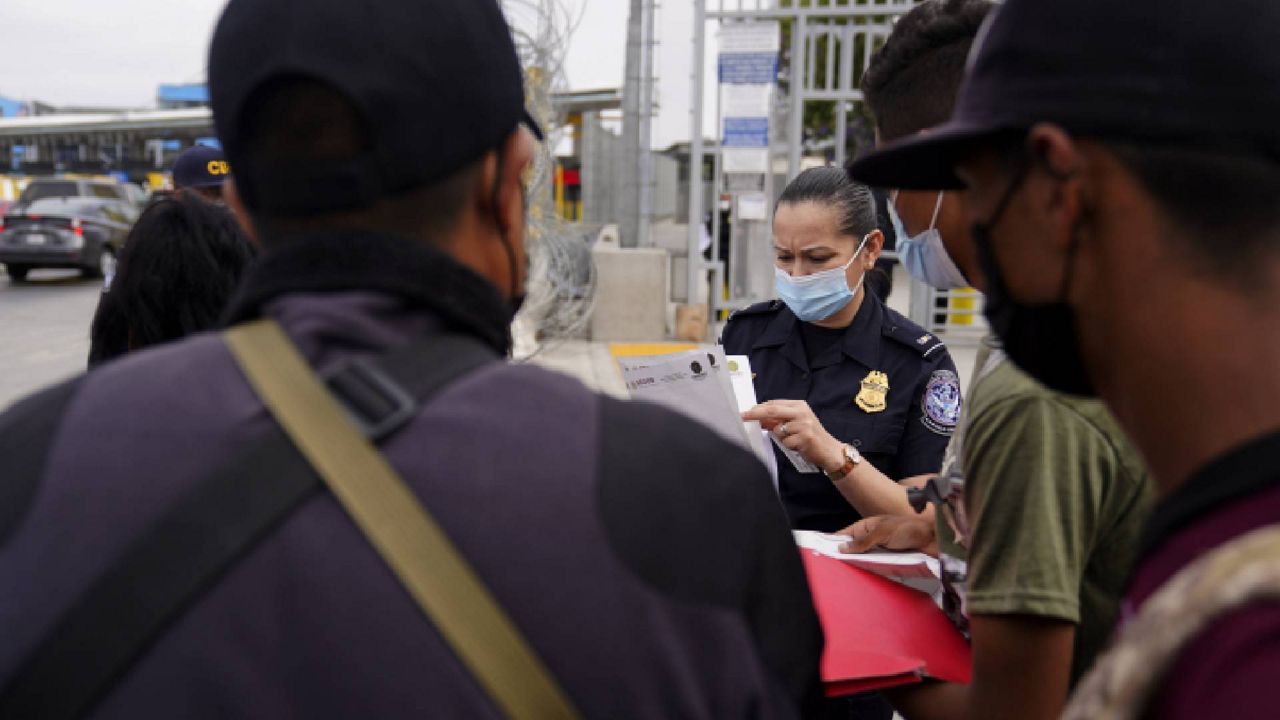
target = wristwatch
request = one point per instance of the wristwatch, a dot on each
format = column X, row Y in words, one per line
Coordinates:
column 851, row 457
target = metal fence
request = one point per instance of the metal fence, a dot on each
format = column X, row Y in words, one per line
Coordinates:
column 603, row 164
column 666, row 186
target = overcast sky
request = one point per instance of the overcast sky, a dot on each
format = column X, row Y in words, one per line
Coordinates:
column 115, row 52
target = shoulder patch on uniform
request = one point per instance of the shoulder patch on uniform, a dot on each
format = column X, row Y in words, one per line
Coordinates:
column 924, row 343
column 940, row 405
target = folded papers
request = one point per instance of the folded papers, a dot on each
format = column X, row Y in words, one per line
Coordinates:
column 916, row 570
column 880, row 633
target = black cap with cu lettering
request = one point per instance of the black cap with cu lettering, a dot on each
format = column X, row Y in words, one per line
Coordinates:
column 200, row 166
column 437, row 83
column 1196, row 74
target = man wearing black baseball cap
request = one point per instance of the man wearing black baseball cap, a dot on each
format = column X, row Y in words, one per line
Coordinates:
column 1122, row 168
column 167, row 551
column 1054, row 494
column 201, row 169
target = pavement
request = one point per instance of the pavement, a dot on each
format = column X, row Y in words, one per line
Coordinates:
column 589, row 361
column 44, row 329
column 44, row 326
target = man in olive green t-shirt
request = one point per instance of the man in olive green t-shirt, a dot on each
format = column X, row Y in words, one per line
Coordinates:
column 1056, row 499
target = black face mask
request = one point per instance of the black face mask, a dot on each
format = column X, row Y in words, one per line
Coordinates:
column 1039, row 339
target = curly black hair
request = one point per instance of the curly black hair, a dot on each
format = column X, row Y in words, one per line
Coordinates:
column 912, row 82
column 177, row 270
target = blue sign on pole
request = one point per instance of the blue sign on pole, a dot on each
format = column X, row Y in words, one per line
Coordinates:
column 746, row 132
column 748, row 70
column 754, row 68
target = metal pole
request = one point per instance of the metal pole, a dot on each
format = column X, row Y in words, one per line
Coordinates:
column 797, row 94
column 694, row 259
column 645, row 153
column 717, row 189
column 846, row 84
column 842, row 130
column 632, row 91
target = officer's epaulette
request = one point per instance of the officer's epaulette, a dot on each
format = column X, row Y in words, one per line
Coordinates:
column 915, row 337
column 760, row 308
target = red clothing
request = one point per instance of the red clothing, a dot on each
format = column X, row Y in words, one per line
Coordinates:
column 1230, row 669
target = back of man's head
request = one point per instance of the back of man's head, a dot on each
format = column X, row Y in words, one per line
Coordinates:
column 912, row 82
column 370, row 115
column 298, row 122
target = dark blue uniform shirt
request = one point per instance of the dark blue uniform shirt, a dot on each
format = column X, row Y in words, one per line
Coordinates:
column 902, row 431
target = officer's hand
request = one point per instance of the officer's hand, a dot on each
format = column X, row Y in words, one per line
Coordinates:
column 796, row 427
column 891, row 532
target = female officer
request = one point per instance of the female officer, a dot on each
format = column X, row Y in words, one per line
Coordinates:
column 861, row 392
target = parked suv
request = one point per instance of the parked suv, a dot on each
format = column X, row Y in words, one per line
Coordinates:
column 63, row 223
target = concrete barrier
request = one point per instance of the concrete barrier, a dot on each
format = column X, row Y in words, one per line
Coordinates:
column 632, row 291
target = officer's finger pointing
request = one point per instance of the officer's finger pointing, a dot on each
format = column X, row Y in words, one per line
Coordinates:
column 773, row 410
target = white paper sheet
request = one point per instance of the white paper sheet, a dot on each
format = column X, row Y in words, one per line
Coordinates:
column 744, row 394
column 695, row 383
column 744, row 391
column 913, row 569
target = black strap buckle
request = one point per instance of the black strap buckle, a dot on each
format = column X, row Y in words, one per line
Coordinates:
column 939, row 490
column 375, row 402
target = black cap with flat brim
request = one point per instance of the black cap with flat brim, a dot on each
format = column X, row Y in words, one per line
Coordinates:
column 922, row 162
column 436, row 85
column 1181, row 73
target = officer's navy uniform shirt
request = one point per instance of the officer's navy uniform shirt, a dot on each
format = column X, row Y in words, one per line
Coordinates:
column 906, row 438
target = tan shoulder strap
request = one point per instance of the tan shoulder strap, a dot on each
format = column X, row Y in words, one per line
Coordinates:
column 429, row 566
column 1122, row 682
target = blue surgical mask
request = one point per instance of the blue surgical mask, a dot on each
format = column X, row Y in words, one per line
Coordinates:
column 820, row 295
column 924, row 255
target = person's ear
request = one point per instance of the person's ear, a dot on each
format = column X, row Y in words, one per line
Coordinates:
column 517, row 154
column 500, row 206
column 1058, row 184
column 231, row 196
column 871, row 251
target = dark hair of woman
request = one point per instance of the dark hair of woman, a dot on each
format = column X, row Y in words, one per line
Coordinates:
column 830, row 186
column 178, row 268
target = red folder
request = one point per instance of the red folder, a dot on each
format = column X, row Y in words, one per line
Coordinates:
column 880, row 633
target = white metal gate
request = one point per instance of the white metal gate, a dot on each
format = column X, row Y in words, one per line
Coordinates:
column 831, row 44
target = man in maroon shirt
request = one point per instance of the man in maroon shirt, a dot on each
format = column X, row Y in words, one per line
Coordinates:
column 1122, row 162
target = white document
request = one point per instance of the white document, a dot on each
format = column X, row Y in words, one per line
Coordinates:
column 744, row 391
column 916, row 570
column 695, row 383
column 744, row 395
column 797, row 460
